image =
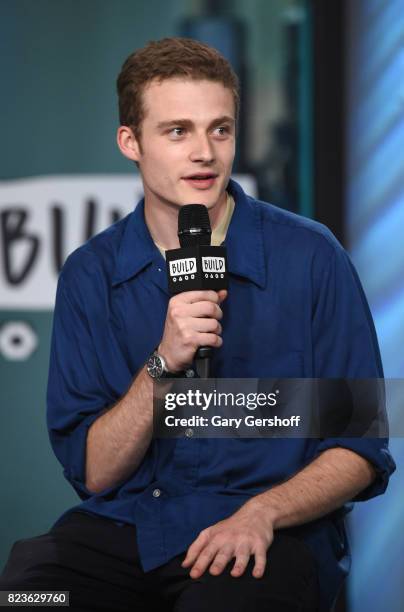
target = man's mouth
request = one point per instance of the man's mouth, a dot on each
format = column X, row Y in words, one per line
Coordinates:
column 201, row 180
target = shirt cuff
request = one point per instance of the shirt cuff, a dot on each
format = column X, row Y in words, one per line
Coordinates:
column 76, row 472
column 376, row 451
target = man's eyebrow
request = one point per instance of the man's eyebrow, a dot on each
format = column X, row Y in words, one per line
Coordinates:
column 165, row 124
column 188, row 123
column 224, row 119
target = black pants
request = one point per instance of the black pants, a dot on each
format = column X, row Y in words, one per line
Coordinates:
column 98, row 562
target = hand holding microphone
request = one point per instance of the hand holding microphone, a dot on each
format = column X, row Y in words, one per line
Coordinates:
column 193, row 320
column 197, row 274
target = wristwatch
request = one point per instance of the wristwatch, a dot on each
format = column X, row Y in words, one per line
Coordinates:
column 157, row 368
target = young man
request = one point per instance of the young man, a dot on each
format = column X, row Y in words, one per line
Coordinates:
column 212, row 524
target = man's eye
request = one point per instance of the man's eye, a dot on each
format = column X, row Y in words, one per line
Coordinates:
column 177, row 131
column 222, row 130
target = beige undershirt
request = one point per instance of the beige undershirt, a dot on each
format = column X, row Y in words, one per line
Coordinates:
column 220, row 231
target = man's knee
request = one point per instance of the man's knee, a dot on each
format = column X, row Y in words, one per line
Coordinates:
column 29, row 562
column 289, row 583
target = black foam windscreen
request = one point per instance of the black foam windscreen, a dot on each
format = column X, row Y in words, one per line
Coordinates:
column 194, row 225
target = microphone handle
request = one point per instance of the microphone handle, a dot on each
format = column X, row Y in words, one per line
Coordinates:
column 203, row 356
column 204, row 352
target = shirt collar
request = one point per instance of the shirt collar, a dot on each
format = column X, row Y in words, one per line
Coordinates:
column 244, row 238
column 137, row 249
column 244, row 243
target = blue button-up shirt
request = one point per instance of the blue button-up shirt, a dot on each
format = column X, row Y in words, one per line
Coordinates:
column 295, row 308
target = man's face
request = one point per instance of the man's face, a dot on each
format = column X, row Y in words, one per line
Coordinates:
column 187, row 142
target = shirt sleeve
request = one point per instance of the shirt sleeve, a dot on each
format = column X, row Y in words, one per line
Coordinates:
column 345, row 346
column 77, row 393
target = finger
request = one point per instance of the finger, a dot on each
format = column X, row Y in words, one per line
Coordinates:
column 190, row 297
column 208, row 326
column 195, row 548
column 222, row 295
column 242, row 559
column 205, row 339
column 220, row 561
column 260, row 563
column 203, row 560
column 205, row 309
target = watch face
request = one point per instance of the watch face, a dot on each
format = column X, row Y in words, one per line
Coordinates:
column 155, row 367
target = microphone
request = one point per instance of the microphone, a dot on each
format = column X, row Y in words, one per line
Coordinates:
column 196, row 264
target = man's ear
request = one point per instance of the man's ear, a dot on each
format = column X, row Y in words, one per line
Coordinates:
column 128, row 143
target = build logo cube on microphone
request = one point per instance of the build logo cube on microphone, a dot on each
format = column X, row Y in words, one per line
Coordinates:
column 196, row 264
column 199, row 267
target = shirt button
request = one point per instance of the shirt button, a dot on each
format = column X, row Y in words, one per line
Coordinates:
column 189, row 373
column 189, row 432
column 156, row 493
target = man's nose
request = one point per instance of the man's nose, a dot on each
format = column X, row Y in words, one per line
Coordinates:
column 202, row 149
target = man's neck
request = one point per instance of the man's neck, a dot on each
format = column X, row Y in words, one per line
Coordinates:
column 162, row 221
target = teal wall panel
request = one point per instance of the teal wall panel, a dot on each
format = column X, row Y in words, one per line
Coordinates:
column 34, row 492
